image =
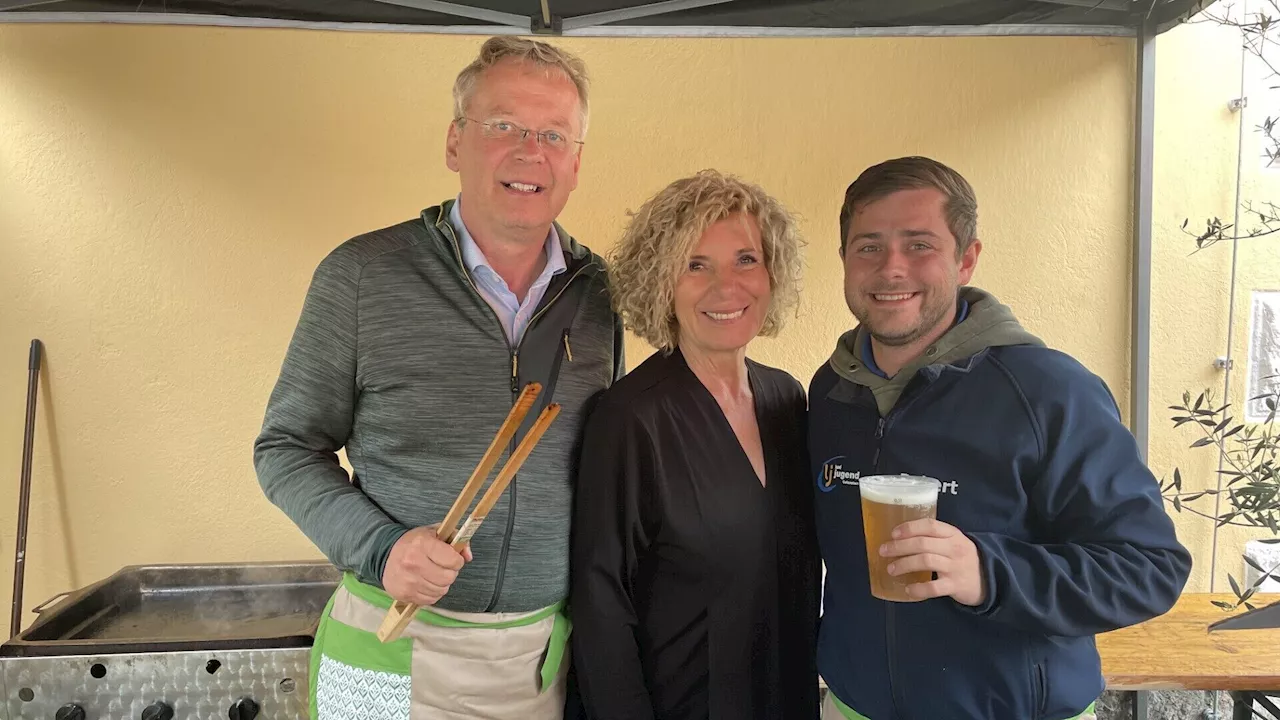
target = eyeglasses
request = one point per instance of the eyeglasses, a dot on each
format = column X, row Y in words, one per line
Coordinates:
column 552, row 141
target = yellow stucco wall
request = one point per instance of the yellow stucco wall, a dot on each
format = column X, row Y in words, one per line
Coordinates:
column 1257, row 263
column 1199, row 72
column 166, row 192
column 1195, row 177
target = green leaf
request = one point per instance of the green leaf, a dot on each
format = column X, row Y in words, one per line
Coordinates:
column 1232, row 431
column 1202, row 442
column 1225, row 421
column 1224, row 605
column 1193, row 497
column 1253, row 564
column 1177, row 504
column 1250, row 607
column 1269, row 541
column 1264, row 577
column 1235, row 587
column 1177, row 478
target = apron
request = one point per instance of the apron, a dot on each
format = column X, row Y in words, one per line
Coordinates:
column 446, row 665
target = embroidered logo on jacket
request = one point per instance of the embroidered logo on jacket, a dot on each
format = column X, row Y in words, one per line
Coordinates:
column 833, row 473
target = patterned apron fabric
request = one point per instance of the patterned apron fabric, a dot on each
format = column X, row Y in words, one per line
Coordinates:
column 448, row 665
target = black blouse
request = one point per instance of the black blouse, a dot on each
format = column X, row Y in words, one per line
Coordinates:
column 695, row 588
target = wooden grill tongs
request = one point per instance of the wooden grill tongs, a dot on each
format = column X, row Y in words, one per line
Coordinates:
column 401, row 613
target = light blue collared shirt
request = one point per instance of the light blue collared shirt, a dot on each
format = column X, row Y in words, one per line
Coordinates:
column 513, row 313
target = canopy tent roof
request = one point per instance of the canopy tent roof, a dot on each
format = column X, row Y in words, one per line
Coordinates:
column 641, row 17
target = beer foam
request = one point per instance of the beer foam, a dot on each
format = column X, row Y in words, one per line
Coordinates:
column 899, row 489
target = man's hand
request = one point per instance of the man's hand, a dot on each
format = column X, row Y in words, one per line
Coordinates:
column 422, row 567
column 929, row 545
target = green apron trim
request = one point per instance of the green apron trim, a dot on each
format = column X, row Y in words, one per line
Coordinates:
column 556, row 645
column 555, row 649
column 852, row 714
column 845, row 710
column 363, row 650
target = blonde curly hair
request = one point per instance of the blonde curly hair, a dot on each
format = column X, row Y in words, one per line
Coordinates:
column 654, row 251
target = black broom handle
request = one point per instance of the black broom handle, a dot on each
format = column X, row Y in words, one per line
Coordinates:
column 24, row 493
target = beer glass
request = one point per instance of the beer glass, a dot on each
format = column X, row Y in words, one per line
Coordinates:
column 887, row 502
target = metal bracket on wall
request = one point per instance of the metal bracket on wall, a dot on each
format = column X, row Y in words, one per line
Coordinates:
column 1237, row 104
column 1224, row 363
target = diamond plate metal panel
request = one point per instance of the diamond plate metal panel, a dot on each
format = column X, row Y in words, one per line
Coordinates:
column 119, row 687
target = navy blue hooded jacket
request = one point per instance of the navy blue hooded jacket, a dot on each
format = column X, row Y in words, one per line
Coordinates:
column 1038, row 470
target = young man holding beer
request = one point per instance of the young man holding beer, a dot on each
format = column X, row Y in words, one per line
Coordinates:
column 1036, row 524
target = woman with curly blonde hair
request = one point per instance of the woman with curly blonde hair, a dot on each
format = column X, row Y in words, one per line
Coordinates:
column 695, row 565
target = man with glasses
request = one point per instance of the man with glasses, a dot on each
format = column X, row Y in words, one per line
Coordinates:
column 413, row 343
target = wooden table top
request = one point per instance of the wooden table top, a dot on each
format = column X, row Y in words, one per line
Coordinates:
column 1176, row 651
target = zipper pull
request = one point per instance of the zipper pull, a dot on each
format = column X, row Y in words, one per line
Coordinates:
column 875, row 459
column 568, row 351
column 515, row 372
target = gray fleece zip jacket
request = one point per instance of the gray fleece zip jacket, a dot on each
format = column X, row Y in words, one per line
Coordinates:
column 397, row 358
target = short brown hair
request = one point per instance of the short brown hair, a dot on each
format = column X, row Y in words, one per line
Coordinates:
column 654, row 250
column 544, row 55
column 913, row 173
